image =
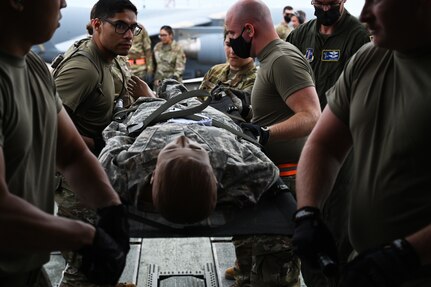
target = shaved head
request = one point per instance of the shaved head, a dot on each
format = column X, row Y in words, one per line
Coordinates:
column 253, row 18
column 253, row 11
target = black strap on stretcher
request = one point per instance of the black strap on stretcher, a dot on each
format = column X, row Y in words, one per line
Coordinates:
column 271, row 215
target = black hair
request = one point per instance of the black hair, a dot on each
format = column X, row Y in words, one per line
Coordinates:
column 301, row 16
column 108, row 8
column 167, row 29
column 287, row 8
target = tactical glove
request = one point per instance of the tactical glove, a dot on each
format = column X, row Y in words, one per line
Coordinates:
column 113, row 220
column 258, row 132
column 388, row 266
column 245, row 98
column 313, row 242
column 104, row 260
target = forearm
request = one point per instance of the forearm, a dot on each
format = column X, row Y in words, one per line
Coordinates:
column 298, row 126
column 316, row 174
column 421, row 243
column 88, row 179
column 27, row 228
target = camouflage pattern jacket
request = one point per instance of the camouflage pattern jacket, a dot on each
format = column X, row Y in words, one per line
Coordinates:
column 141, row 55
column 242, row 170
column 242, row 80
column 170, row 61
column 283, row 30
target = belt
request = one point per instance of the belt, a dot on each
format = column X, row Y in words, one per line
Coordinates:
column 287, row 169
column 29, row 278
column 139, row 61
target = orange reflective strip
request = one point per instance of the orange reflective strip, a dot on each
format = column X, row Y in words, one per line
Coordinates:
column 140, row 61
column 288, row 173
column 287, row 169
column 286, row 165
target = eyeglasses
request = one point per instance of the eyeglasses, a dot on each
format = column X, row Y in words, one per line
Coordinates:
column 122, row 28
column 163, row 35
column 321, row 5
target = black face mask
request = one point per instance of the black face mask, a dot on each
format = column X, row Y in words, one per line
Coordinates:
column 327, row 18
column 287, row 18
column 240, row 47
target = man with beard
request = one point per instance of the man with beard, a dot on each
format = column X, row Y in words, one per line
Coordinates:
column 328, row 42
column 379, row 110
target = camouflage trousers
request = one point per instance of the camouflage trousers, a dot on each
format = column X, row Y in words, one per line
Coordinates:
column 265, row 261
column 69, row 206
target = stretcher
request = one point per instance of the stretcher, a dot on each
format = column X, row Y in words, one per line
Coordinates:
column 271, row 215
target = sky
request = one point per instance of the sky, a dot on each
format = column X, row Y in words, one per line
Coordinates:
column 353, row 6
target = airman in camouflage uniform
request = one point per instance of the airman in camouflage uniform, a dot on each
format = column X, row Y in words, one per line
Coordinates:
column 170, row 58
column 283, row 29
column 141, row 57
column 242, row 170
column 242, row 80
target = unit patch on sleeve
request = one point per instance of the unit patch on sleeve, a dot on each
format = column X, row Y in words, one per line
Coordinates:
column 309, row 54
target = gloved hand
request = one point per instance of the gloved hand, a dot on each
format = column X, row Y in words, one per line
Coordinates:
column 313, row 242
column 103, row 262
column 260, row 133
column 389, row 266
column 113, row 220
column 245, row 97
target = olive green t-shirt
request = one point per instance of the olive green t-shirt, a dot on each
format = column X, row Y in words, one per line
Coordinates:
column 91, row 109
column 283, row 71
column 28, row 137
column 385, row 99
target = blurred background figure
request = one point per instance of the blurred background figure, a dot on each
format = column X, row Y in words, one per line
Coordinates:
column 169, row 56
column 283, row 29
column 141, row 57
column 298, row 18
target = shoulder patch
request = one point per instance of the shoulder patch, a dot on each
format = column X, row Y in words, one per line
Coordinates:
column 309, row 54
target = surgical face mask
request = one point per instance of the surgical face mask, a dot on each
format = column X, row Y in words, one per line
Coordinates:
column 287, row 18
column 241, row 47
column 327, row 18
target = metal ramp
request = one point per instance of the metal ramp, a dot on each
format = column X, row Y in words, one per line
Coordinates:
column 186, row 278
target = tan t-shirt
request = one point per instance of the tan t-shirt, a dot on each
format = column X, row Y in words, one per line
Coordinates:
column 76, row 81
column 283, row 71
column 385, row 99
column 28, row 136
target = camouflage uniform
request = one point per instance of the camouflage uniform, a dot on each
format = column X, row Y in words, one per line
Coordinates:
column 141, row 56
column 221, row 75
column 283, row 30
column 242, row 80
column 170, row 61
column 242, row 170
column 266, row 260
